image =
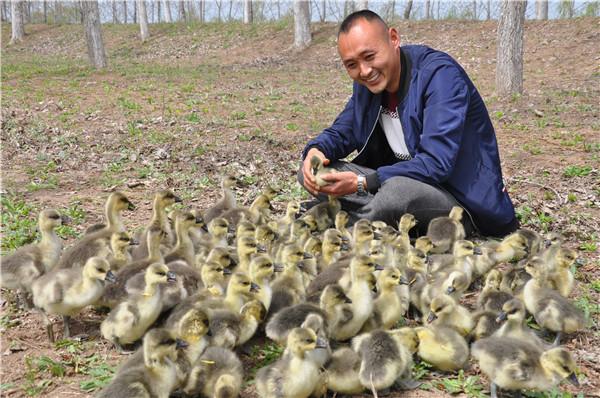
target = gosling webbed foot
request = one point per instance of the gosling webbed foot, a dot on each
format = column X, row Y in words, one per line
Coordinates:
column 407, row 384
column 557, row 339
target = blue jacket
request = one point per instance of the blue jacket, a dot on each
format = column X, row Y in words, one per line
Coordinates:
column 446, row 128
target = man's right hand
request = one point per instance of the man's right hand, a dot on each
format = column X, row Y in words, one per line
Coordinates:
column 309, row 179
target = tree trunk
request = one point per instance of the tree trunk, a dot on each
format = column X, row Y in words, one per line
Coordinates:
column 541, row 10
column 362, row 5
column 93, row 33
column 248, row 11
column 114, row 12
column 302, row 36
column 489, row 10
column 18, row 25
column 324, row 6
column 202, row 11
column 143, row 17
column 124, row 11
column 475, row 9
column 182, row 16
column 135, row 11
column 408, row 8
column 348, row 7
column 427, row 9
column 45, row 12
column 509, row 67
column 168, row 15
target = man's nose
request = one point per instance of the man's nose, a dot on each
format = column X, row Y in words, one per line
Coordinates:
column 365, row 69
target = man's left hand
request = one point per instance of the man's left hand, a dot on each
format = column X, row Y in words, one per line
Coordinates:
column 341, row 183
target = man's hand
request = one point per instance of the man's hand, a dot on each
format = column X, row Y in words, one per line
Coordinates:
column 342, row 183
column 309, row 179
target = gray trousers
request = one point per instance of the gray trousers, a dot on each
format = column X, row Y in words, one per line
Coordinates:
column 396, row 196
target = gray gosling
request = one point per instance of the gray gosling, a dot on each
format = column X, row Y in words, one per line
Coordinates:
column 67, row 291
column 443, row 231
column 218, row 373
column 129, row 320
column 156, row 376
column 295, row 374
column 20, row 268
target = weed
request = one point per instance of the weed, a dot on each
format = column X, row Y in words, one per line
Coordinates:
column 589, row 307
column 134, row 129
column 421, row 369
column 577, row 171
column 6, row 322
column 533, row 149
column 292, row 127
column 47, row 364
column 18, row 223
column 596, row 285
column 470, row 385
column 193, row 117
column 128, row 105
column 571, row 197
column 591, row 147
column 498, row 114
column 589, row 246
column 265, row 355
column 244, row 137
column 76, row 216
column 553, row 393
column 238, row 115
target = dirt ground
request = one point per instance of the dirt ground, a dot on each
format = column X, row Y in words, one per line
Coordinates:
column 195, row 102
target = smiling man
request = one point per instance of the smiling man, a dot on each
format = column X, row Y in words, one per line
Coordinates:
column 424, row 138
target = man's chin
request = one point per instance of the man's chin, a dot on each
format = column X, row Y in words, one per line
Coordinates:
column 374, row 88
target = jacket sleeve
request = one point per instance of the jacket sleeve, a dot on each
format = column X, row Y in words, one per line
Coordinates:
column 446, row 102
column 336, row 142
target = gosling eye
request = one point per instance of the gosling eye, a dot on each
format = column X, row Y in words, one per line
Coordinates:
column 395, row 276
column 161, row 273
column 309, row 341
column 246, row 283
column 167, row 342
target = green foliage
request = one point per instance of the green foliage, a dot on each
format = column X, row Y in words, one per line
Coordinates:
column 577, row 171
column 421, row 369
column 528, row 216
column 265, row 355
column 553, row 393
column 76, row 215
column 18, row 223
column 470, row 385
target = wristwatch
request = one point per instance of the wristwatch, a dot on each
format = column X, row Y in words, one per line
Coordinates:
column 361, row 186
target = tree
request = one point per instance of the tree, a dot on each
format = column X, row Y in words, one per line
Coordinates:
column 114, row 12
column 143, row 17
column 302, row 36
column 474, row 9
column 182, row 14
column 541, row 10
column 408, row 8
column 566, row 9
column 93, row 33
column 248, row 11
column 427, row 9
column 18, row 25
column 509, row 67
column 362, row 5
column 124, row 11
column 488, row 12
column 168, row 15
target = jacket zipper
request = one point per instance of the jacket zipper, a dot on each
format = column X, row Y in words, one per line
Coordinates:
column 371, row 133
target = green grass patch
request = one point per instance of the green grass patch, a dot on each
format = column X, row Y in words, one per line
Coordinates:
column 19, row 223
column 577, row 171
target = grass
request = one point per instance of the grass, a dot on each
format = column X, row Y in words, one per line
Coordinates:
column 18, row 223
column 469, row 385
column 577, row 171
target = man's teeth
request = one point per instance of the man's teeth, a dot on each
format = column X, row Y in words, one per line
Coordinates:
column 373, row 78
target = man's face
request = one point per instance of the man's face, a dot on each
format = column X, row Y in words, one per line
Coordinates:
column 370, row 54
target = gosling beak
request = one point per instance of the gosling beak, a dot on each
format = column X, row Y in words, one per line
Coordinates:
column 300, row 265
column 254, row 288
column 450, row 290
column 278, row 267
column 428, row 260
column 180, row 344
column 347, row 300
column 227, row 271
column 209, row 333
column 110, row 277
column 404, row 281
column 477, row 251
column 379, row 267
column 171, row 277
column 65, row 220
column 377, row 236
column 344, row 247
column 232, row 262
column 547, row 242
column 130, row 206
column 178, row 199
column 322, row 343
column 261, row 249
column 432, row 317
column 204, row 227
column 502, row 316
column 573, row 379
column 133, row 242
column 199, row 220
column 307, row 256
column 580, row 261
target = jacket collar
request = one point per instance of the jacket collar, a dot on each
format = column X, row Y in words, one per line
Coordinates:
column 405, row 75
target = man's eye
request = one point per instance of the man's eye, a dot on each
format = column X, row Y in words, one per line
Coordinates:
column 350, row 66
column 370, row 57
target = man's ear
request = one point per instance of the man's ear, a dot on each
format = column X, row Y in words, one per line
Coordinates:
column 394, row 37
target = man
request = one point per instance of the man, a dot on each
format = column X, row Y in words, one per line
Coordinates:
column 424, row 138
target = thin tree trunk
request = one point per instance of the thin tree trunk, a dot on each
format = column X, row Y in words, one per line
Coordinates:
column 230, row 12
column 182, row 14
column 279, row 10
column 45, row 12
column 509, row 67
column 323, row 6
column 302, row 36
column 135, row 18
column 143, row 17
column 392, row 10
column 489, row 10
column 248, row 17
column 475, row 9
column 362, row 5
column 114, row 12
column 408, row 8
column 18, row 25
column 201, row 11
column 168, row 15
column 541, row 10
column 124, row 11
column 93, row 33
column 219, row 4
column 427, row 9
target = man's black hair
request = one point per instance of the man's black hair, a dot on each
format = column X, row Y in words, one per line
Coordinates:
column 351, row 19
